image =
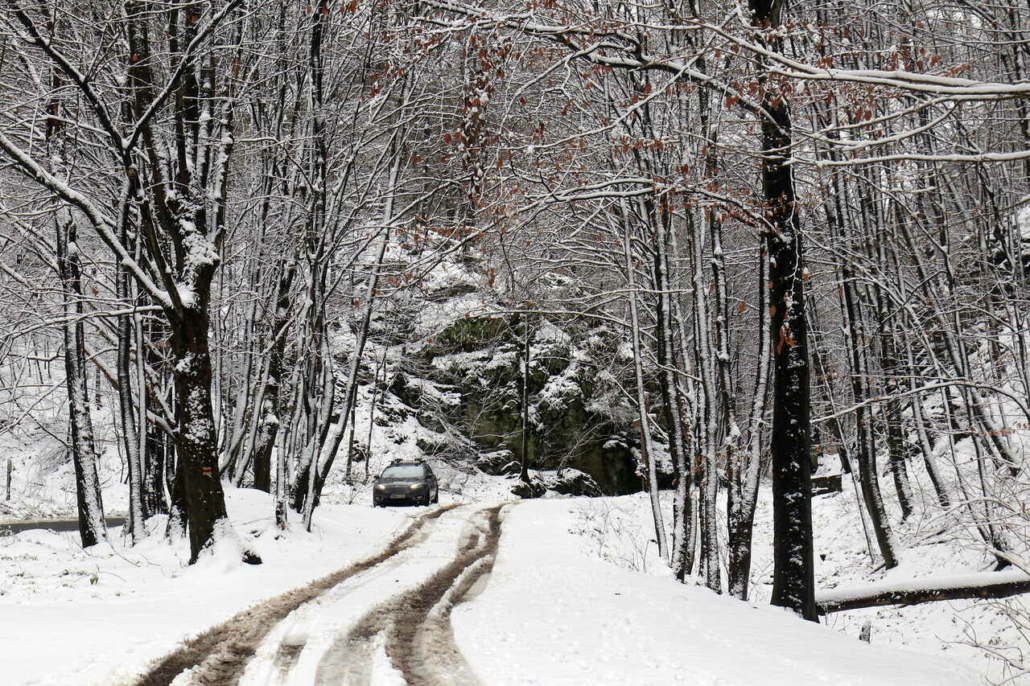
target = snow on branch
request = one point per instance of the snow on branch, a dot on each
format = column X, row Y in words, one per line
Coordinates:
column 188, row 57
column 956, row 88
column 101, row 221
column 80, row 80
column 922, row 157
column 926, row 590
column 617, row 50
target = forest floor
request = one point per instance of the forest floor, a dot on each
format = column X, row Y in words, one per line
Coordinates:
column 491, row 592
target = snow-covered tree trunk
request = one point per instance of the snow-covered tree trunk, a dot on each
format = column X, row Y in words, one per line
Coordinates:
column 92, row 527
column 793, row 564
column 707, row 413
column 638, row 372
column 319, row 397
column 196, row 444
column 130, row 429
column 742, row 494
column 672, row 402
column 269, row 419
column 183, row 227
column 687, row 394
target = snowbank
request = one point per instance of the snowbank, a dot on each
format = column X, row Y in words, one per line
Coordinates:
column 570, row 618
column 99, row 617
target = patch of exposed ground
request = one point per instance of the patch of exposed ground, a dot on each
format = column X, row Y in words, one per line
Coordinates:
column 220, row 654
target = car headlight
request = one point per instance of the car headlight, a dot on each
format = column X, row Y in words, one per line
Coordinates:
column 415, row 487
column 380, row 487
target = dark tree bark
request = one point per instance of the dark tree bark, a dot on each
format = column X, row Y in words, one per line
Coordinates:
column 524, row 400
column 890, row 363
column 793, row 563
column 196, row 441
column 269, row 412
column 154, row 482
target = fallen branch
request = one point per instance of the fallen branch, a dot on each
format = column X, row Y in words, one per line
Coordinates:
column 930, row 589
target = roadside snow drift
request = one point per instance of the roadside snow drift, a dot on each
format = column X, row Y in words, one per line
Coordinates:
column 552, row 614
column 74, row 617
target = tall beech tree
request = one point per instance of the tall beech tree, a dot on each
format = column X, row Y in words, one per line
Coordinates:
column 170, row 162
column 790, row 441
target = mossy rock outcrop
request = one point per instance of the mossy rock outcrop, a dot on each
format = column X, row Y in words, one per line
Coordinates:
column 534, row 488
column 570, row 481
column 469, row 335
column 479, row 358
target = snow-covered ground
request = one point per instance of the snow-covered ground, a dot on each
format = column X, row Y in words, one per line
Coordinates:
column 569, row 617
column 980, row 635
column 69, row 616
column 563, row 604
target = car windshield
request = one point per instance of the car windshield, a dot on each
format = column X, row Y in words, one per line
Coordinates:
column 404, row 471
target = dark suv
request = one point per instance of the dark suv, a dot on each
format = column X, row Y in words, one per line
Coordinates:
column 406, row 482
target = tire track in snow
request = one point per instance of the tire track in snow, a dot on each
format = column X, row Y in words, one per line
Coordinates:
column 219, row 655
column 415, row 625
column 298, row 633
column 286, row 658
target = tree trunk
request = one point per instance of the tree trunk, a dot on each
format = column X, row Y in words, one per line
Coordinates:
column 743, row 491
column 524, row 402
column 127, row 411
column 924, row 441
column 92, row 527
column 890, row 364
column 686, row 511
column 865, row 451
column 793, row 564
column 707, row 413
column 270, row 419
column 196, row 442
column 926, row 590
column 645, row 425
column 673, row 411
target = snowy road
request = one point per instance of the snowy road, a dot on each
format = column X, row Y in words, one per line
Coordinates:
column 462, row 594
column 386, row 616
column 17, row 526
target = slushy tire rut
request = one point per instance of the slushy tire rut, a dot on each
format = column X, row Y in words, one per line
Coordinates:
column 221, row 653
column 415, row 626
